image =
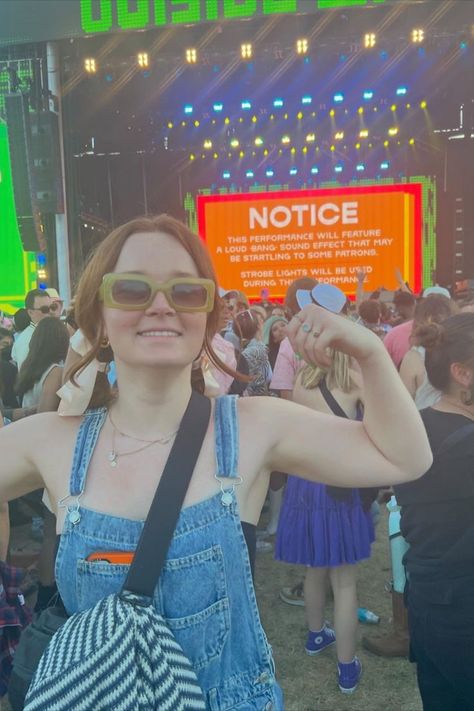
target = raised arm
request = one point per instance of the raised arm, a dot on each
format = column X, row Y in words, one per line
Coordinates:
column 20, row 442
column 389, row 446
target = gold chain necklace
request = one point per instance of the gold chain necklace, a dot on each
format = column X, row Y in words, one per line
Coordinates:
column 113, row 454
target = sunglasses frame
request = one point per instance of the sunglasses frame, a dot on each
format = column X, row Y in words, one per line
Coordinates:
column 108, row 281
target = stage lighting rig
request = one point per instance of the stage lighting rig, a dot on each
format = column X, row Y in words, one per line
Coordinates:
column 370, row 40
column 417, row 35
column 191, row 55
column 142, row 59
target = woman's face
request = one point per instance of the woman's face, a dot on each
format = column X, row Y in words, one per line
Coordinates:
column 278, row 331
column 157, row 336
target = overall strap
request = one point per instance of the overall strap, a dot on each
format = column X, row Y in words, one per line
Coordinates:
column 226, row 426
column 86, row 440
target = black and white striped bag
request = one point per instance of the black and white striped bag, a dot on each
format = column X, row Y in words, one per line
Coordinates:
column 120, row 655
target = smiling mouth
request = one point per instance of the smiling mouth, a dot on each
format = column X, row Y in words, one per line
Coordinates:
column 160, row 333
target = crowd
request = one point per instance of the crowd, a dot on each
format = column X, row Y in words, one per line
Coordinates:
column 137, row 338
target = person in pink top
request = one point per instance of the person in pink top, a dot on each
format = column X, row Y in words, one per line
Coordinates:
column 397, row 342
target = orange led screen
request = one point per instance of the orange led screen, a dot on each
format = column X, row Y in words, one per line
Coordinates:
column 266, row 240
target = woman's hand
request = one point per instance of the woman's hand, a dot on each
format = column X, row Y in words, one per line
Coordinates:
column 314, row 332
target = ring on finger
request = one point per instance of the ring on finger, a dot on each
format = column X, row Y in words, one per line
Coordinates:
column 306, row 328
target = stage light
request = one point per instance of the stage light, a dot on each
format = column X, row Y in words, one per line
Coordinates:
column 170, row 124
column 191, row 55
column 246, row 105
column 310, row 137
column 332, row 148
column 90, row 65
column 368, row 94
column 241, row 154
column 339, row 136
column 254, row 119
column 393, row 131
column 188, row 109
column 246, row 50
column 304, row 149
column 259, row 141
column 384, row 165
column 285, row 139
column 370, row 40
column 234, row 143
column 197, row 123
column 423, row 104
column 337, row 98
column 241, row 120
column 306, row 99
column 272, row 116
column 192, row 156
column 408, row 106
column 357, row 145
column 269, row 173
column 411, row 141
column 417, row 35
column 364, row 133
column 293, row 171
column 207, row 144
column 285, row 116
column 293, row 150
column 217, row 107
column 215, row 155
column 299, row 115
column 360, row 110
column 386, row 143
column 401, row 91
column 226, row 174
column 332, row 113
column 249, row 174
column 265, row 152
column 393, row 107
column 301, row 46
column 227, row 120
column 338, row 168
column 315, row 170
column 278, row 103
column 360, row 167
column 142, row 59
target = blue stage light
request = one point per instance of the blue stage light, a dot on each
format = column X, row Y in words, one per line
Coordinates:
column 218, row 107
column 269, row 173
column 226, row 174
column 306, row 99
column 188, row 109
column 246, row 105
column 293, row 171
column 360, row 167
column 315, row 170
column 384, row 165
column 337, row 98
column 368, row 94
column 41, row 259
column 338, row 168
column 278, row 103
column 401, row 91
column 249, row 174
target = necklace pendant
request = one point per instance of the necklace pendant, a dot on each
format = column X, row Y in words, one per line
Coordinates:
column 112, row 457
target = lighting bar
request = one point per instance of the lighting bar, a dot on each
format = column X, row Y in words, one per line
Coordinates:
column 293, row 171
column 401, row 91
column 246, row 50
column 269, row 173
column 393, row 131
column 360, row 167
column 306, row 99
column 278, row 103
column 188, row 109
column 191, row 55
column 302, row 46
column 338, row 169
column 315, row 170
column 246, row 105
column 217, row 107
column 384, row 165
column 337, row 98
column 249, row 174
column 370, row 40
column 226, row 174
column 417, row 35
column 90, row 65
column 368, row 94
column 142, row 59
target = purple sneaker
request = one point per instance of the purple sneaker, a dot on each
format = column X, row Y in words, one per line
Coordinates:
column 317, row 642
column 349, row 675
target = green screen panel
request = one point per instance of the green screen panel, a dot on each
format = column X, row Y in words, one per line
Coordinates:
column 17, row 267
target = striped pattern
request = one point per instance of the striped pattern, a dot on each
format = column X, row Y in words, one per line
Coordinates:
column 118, row 656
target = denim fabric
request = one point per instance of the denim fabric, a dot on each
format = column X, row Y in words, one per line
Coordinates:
column 205, row 591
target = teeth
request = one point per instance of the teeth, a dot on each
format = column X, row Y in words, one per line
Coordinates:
column 159, row 333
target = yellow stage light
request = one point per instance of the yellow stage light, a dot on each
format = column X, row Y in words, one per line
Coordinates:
column 417, row 35
column 370, row 40
column 90, row 65
column 302, row 46
column 246, row 50
column 142, row 59
column 191, row 55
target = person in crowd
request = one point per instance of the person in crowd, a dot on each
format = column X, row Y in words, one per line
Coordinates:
column 57, row 303
column 154, row 343
column 273, row 333
column 235, row 302
column 21, row 320
column 248, row 330
column 397, row 342
column 38, row 306
column 279, row 311
column 370, row 314
column 437, row 522
column 434, row 308
column 8, row 371
column 328, row 529
column 40, row 376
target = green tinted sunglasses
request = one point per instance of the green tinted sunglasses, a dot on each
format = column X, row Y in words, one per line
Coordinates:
column 135, row 292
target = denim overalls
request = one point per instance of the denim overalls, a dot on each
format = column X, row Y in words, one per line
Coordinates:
column 205, row 591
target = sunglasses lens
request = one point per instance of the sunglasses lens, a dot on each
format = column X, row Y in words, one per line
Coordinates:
column 54, row 306
column 45, row 309
column 130, row 292
column 189, row 295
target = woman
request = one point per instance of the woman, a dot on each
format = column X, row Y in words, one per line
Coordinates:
column 437, row 522
column 274, row 332
column 328, row 529
column 247, row 327
column 434, row 308
column 40, row 375
column 128, row 300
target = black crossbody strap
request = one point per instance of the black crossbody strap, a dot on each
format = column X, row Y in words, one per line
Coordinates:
column 161, row 521
column 331, row 401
